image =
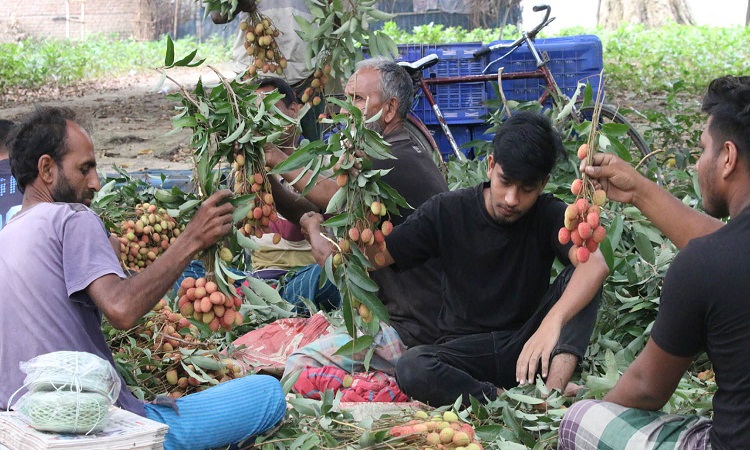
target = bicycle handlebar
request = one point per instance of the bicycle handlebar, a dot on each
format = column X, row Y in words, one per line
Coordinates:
column 543, row 23
column 530, row 35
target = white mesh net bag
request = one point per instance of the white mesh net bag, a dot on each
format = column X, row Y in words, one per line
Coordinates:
column 69, row 392
column 65, row 411
column 72, row 371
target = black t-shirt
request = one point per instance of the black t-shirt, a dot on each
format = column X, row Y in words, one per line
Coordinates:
column 495, row 275
column 412, row 297
column 10, row 197
column 705, row 305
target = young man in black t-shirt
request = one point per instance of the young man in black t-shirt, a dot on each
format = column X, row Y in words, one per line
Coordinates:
column 501, row 322
column 704, row 303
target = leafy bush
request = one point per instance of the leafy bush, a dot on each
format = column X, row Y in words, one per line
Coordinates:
column 32, row 63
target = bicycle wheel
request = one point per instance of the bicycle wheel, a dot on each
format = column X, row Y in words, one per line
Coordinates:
column 643, row 159
column 422, row 137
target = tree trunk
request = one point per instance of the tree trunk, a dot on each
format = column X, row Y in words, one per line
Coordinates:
column 651, row 13
column 747, row 15
column 495, row 13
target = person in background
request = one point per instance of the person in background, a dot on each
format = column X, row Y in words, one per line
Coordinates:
column 10, row 195
column 291, row 45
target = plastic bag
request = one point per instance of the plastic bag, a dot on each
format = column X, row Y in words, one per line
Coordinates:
column 69, row 392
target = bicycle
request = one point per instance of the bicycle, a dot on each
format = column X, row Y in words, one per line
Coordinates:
column 423, row 85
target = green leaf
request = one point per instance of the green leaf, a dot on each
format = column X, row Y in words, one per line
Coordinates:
column 189, row 58
column 523, row 398
column 337, row 201
column 355, row 346
column 241, row 212
column 169, row 57
column 245, row 242
column 380, row 15
column 265, row 291
column 338, row 220
column 643, row 244
column 305, row 27
column 609, row 255
column 296, row 160
column 613, row 129
column 371, row 301
column 204, row 362
column 188, row 205
column 235, row 134
column 614, row 234
column 360, row 278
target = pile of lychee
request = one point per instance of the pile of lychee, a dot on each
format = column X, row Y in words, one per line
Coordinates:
column 437, row 431
column 583, row 217
column 260, row 43
column 202, row 300
column 170, row 336
column 147, row 236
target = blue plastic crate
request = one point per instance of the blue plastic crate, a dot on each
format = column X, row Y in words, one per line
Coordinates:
column 479, row 132
column 572, row 59
column 462, row 135
column 461, row 103
column 180, row 178
column 409, row 52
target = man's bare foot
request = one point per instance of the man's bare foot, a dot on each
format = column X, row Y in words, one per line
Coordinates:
column 572, row 389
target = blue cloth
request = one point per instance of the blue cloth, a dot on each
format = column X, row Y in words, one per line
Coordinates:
column 222, row 415
column 304, row 283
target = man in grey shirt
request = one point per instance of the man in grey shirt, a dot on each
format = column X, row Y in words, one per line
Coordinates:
column 59, row 274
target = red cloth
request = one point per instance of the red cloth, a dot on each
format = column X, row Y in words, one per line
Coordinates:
column 366, row 387
column 270, row 345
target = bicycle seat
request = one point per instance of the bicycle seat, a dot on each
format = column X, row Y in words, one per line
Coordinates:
column 419, row 65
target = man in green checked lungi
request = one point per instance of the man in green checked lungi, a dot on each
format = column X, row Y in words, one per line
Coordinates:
column 705, row 301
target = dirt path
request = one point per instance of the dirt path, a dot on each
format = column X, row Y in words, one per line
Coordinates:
column 130, row 123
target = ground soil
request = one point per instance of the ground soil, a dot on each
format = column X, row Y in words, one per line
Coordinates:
column 129, row 121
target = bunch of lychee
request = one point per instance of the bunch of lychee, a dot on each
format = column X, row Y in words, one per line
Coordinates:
column 582, row 223
column 364, row 233
column 259, row 218
column 260, row 43
column 437, row 431
column 202, row 300
column 313, row 94
column 146, row 237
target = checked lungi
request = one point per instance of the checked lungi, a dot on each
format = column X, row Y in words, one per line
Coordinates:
column 599, row 425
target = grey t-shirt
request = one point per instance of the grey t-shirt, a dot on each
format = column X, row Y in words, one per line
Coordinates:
column 49, row 255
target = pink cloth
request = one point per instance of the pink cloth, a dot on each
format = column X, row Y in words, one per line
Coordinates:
column 288, row 230
column 366, row 387
column 270, row 345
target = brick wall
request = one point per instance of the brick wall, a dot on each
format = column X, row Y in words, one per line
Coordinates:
column 140, row 19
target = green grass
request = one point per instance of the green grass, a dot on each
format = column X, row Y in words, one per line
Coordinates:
column 33, row 63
